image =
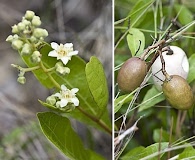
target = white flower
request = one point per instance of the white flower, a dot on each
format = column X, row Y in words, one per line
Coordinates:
column 67, row 96
column 63, row 52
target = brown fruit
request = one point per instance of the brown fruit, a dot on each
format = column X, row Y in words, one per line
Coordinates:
column 131, row 74
column 178, row 92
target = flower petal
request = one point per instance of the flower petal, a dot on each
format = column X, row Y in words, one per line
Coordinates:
column 57, row 95
column 74, row 90
column 73, row 53
column 53, row 54
column 63, row 102
column 63, row 87
column 68, row 45
column 65, row 60
column 75, row 101
column 54, row 45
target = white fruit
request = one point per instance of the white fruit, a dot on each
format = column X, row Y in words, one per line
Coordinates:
column 175, row 64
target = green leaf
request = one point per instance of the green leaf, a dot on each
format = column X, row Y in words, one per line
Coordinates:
column 59, row 131
column 188, row 152
column 75, row 79
column 133, row 154
column 164, row 136
column 141, row 152
column 122, row 100
column 97, row 83
column 152, row 97
column 191, row 75
column 136, row 41
column 185, row 15
column 138, row 12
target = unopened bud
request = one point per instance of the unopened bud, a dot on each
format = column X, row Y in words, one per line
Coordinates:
column 63, row 70
column 9, row 38
column 29, row 15
column 15, row 29
column 39, row 32
column 51, row 100
column 26, row 22
column 58, row 104
column 17, row 44
column 36, row 21
column 59, row 64
column 27, row 49
column 15, row 36
column 33, row 39
column 21, row 80
column 36, row 57
column 21, row 26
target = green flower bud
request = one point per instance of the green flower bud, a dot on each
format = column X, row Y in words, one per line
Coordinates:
column 26, row 31
column 33, row 39
column 39, row 32
column 36, row 21
column 69, row 108
column 21, row 73
column 21, row 80
column 26, row 22
column 27, row 49
column 17, row 44
column 15, row 36
column 36, row 57
column 15, row 29
column 29, row 15
column 58, row 104
column 21, row 26
column 9, row 38
column 51, row 100
column 59, row 64
column 63, row 70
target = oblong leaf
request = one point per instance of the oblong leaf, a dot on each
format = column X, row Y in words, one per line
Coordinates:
column 145, row 152
column 97, row 83
column 59, row 131
column 136, row 41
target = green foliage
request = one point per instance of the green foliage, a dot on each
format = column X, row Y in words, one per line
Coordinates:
column 152, row 97
column 77, row 79
column 191, row 75
column 161, row 136
column 121, row 100
column 141, row 152
column 138, row 12
column 97, row 83
column 59, row 131
column 147, row 21
column 136, row 41
column 185, row 15
column 80, row 89
column 189, row 152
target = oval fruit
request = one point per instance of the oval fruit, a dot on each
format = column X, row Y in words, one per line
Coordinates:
column 178, row 92
column 131, row 74
column 175, row 64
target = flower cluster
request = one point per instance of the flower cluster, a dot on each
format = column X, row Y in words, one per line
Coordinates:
column 27, row 39
column 28, row 36
column 65, row 100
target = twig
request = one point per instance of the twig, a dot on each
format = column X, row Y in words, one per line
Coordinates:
column 170, row 139
column 159, row 147
column 96, row 120
column 124, row 134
